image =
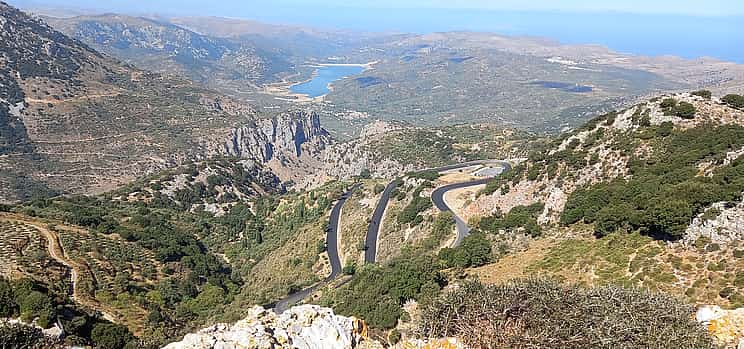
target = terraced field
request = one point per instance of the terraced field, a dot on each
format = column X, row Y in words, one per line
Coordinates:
column 23, row 253
column 85, row 263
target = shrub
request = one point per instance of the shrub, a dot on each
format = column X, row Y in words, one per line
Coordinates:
column 474, row 251
column 540, row 313
column 668, row 103
column 738, row 253
column 377, row 293
column 684, row 110
column 734, row 101
column 429, row 175
column 110, row 336
column 20, row 336
column 411, row 213
column 702, row 93
column 441, row 228
column 664, row 193
column 379, row 188
column 349, row 269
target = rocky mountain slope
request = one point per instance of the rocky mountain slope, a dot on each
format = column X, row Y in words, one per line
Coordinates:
column 649, row 196
column 610, row 147
column 162, row 47
column 74, row 120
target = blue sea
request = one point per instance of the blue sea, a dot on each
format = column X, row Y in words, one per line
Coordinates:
column 318, row 85
column 653, row 35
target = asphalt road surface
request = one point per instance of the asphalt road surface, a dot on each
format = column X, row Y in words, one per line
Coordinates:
column 332, row 249
column 370, row 243
column 437, row 196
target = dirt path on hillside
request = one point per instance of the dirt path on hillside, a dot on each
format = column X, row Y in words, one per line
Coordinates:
column 56, row 251
column 60, row 101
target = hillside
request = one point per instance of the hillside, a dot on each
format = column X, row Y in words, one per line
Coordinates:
column 74, row 120
column 646, row 197
column 166, row 48
column 532, row 83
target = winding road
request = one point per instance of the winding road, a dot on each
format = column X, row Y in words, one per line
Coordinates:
column 333, row 257
column 437, row 196
column 370, row 243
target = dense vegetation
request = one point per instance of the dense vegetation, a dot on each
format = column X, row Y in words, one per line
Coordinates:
column 31, row 301
column 411, row 214
column 734, row 101
column 377, row 293
column 519, row 217
column 545, row 314
column 474, row 251
column 664, row 192
column 187, row 284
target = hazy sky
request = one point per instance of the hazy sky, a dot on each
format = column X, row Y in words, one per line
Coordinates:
column 687, row 28
column 242, row 7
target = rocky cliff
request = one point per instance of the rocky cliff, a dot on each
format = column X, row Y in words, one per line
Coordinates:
column 280, row 138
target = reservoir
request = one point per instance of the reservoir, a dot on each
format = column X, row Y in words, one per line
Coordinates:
column 325, row 75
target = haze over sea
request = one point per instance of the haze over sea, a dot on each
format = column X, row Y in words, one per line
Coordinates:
column 648, row 34
column 683, row 28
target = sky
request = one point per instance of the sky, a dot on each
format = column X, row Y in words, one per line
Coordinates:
column 684, row 28
column 231, row 7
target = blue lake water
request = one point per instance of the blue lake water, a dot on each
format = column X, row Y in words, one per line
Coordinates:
column 325, row 75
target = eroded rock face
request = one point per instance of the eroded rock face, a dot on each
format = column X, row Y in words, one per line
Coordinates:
column 281, row 137
column 723, row 228
column 304, row 327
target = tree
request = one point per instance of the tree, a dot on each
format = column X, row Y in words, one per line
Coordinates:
column 684, row 110
column 110, row 336
column 703, row 93
column 8, row 306
column 733, row 100
column 379, row 188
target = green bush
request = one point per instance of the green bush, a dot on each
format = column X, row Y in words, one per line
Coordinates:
column 110, row 336
column 684, row 110
column 411, row 213
column 442, row 227
column 524, row 217
column 734, row 101
column 545, row 314
column 668, row 103
column 703, row 93
column 474, row 251
column 429, row 175
column 349, row 269
column 377, row 293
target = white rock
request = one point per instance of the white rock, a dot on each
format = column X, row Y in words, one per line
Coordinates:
column 302, row 327
column 708, row 313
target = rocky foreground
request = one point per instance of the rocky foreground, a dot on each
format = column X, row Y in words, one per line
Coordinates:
column 302, row 327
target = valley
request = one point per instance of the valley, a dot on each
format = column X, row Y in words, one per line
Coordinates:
column 162, row 175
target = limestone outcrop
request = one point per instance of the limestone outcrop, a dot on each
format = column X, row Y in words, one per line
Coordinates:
column 303, row 327
column 282, row 137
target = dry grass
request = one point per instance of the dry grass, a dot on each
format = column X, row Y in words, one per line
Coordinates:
column 537, row 313
column 704, row 274
column 354, row 223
